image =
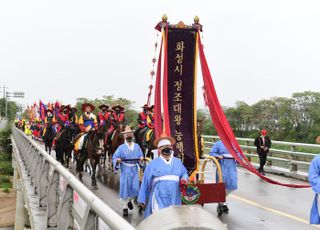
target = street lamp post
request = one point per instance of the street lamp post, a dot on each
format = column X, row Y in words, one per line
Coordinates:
column 17, row 94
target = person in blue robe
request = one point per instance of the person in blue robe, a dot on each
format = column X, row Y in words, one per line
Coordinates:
column 162, row 178
column 128, row 158
column 314, row 180
column 229, row 170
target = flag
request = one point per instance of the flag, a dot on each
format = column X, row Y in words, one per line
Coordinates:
column 42, row 111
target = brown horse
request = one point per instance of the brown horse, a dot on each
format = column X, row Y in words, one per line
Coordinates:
column 150, row 144
column 105, row 127
column 116, row 140
column 92, row 150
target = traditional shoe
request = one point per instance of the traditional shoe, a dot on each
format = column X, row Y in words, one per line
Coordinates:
column 219, row 209
column 130, row 205
column 125, row 212
column 225, row 208
column 140, row 210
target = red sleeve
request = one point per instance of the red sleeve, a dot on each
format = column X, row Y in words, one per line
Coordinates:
column 82, row 128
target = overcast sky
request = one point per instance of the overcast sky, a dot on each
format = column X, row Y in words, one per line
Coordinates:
column 67, row 49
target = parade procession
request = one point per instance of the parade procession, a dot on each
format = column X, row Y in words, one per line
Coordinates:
column 112, row 164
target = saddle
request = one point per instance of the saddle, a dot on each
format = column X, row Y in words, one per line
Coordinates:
column 149, row 134
column 76, row 141
column 113, row 134
column 77, row 137
column 58, row 135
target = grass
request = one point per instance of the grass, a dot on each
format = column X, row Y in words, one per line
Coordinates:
column 4, row 179
column 6, row 171
column 5, row 183
column 6, row 190
column 6, row 168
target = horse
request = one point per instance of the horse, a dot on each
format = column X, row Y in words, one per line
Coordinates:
column 150, row 144
column 48, row 137
column 105, row 127
column 115, row 141
column 92, row 149
column 139, row 135
column 65, row 144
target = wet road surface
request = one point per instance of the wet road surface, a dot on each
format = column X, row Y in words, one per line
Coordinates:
column 255, row 205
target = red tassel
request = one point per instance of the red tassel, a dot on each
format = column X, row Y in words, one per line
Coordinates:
column 165, row 88
column 157, row 98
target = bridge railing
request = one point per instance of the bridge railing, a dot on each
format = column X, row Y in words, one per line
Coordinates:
column 57, row 198
column 283, row 156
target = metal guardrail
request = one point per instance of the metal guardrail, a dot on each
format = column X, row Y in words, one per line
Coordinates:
column 287, row 159
column 58, row 195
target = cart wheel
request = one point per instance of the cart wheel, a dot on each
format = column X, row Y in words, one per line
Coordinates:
column 219, row 209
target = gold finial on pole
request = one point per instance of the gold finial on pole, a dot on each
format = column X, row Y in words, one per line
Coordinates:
column 196, row 19
column 164, row 18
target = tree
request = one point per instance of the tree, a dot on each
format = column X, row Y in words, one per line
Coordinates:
column 12, row 108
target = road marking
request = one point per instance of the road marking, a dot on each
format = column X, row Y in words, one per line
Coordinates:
column 272, row 210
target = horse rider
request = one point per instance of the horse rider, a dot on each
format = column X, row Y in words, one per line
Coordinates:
column 150, row 117
column 87, row 121
column 63, row 117
column 149, row 125
column 62, row 121
column 48, row 119
column 73, row 118
column 103, row 116
column 117, row 117
column 37, row 128
column 142, row 118
column 142, row 121
column 162, row 179
column 128, row 158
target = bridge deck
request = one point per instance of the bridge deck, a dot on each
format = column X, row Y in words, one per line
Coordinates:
column 255, row 205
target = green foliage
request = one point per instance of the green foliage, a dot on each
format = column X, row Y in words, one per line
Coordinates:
column 5, row 183
column 4, row 179
column 6, row 167
column 5, row 140
column 6, row 190
column 294, row 119
column 207, row 126
column 12, row 109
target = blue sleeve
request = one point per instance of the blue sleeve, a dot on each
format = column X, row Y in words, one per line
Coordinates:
column 145, row 186
column 215, row 150
column 314, row 174
column 140, row 153
column 184, row 173
column 116, row 155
